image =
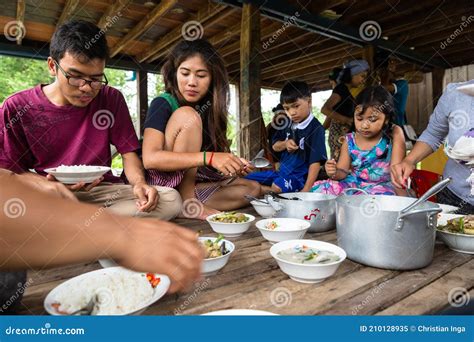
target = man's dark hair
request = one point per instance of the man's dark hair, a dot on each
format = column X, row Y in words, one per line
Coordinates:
column 294, row 90
column 79, row 38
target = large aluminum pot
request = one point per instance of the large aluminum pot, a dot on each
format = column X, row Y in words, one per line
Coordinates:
column 388, row 232
column 318, row 209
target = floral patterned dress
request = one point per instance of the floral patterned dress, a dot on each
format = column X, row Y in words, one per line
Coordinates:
column 370, row 170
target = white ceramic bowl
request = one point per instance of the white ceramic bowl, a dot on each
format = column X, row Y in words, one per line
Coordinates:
column 263, row 209
column 463, row 243
column 230, row 230
column 308, row 273
column 158, row 292
column 212, row 265
column 73, row 177
column 287, row 229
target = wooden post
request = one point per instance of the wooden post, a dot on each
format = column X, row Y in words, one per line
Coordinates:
column 142, row 85
column 369, row 54
column 250, row 109
column 437, row 84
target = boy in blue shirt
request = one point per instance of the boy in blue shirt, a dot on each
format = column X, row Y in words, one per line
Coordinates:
column 301, row 143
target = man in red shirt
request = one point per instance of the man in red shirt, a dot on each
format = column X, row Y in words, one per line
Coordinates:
column 74, row 120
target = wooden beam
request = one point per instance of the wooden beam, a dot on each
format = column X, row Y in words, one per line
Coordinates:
column 112, row 11
column 266, row 33
column 150, row 19
column 142, row 89
column 20, row 18
column 437, row 84
column 251, row 122
column 161, row 45
column 67, row 12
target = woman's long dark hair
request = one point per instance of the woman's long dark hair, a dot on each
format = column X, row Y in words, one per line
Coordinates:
column 214, row 104
column 382, row 100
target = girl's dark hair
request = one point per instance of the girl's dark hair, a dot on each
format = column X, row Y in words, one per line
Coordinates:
column 382, row 100
column 80, row 38
column 214, row 105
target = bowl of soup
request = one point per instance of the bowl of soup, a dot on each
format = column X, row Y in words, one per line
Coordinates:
column 308, row 261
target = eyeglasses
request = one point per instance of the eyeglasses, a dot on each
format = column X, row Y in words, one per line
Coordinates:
column 80, row 82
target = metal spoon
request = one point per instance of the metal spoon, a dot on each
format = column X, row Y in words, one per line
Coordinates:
column 258, row 161
column 87, row 310
column 251, row 198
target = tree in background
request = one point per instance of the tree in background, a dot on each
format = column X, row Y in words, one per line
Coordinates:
column 19, row 73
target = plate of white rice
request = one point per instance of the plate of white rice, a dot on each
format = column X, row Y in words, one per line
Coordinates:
column 72, row 174
column 117, row 291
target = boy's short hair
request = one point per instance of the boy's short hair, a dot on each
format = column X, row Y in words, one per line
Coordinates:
column 294, row 90
column 79, row 38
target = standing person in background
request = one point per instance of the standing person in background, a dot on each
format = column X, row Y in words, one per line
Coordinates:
column 333, row 75
column 386, row 68
column 339, row 108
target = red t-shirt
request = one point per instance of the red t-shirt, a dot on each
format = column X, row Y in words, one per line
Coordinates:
column 36, row 134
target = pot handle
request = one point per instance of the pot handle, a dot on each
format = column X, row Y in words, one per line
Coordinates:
column 354, row 189
column 430, row 211
column 419, row 211
column 431, row 192
column 277, row 206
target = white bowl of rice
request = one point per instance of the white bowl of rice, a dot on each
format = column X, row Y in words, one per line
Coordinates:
column 72, row 174
column 117, row 291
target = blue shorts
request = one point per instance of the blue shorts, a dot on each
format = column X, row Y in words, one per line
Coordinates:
column 286, row 183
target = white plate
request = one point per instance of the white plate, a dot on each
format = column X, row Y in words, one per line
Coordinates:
column 159, row 291
column 240, row 312
column 73, row 177
column 447, row 208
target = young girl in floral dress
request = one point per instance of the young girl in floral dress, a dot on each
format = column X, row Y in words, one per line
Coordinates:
column 367, row 152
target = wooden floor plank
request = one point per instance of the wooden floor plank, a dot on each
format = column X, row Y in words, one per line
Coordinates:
column 403, row 284
column 434, row 297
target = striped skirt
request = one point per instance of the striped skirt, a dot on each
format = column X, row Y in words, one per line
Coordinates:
column 172, row 179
